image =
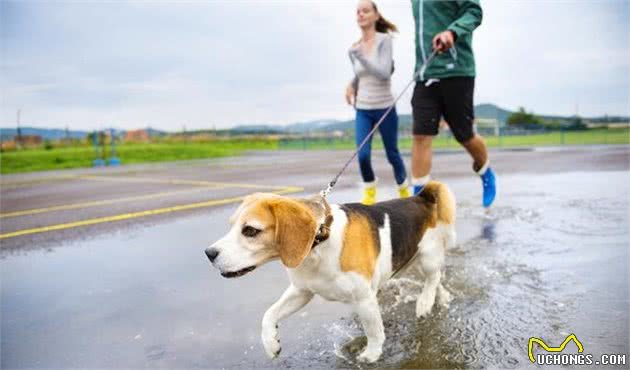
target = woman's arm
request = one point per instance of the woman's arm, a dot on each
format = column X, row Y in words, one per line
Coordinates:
column 351, row 92
column 351, row 89
column 351, row 53
column 383, row 66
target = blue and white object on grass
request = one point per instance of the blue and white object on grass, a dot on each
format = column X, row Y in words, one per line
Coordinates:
column 113, row 161
column 98, row 161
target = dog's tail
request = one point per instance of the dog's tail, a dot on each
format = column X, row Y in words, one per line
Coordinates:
column 444, row 199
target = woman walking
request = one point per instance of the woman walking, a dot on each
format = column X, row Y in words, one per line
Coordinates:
column 370, row 94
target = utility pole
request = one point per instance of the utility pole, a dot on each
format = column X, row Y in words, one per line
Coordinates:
column 18, row 140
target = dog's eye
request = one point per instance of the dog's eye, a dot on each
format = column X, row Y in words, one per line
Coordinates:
column 250, row 231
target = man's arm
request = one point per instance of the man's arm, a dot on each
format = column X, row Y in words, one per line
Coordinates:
column 468, row 18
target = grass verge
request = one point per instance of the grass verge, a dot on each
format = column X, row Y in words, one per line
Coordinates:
column 77, row 157
column 587, row 137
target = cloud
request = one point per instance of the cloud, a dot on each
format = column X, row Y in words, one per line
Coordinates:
column 221, row 63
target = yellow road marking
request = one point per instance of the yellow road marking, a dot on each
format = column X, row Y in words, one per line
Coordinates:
column 181, row 182
column 17, row 184
column 204, row 184
column 103, row 202
column 146, row 180
column 126, row 216
column 8, row 185
column 532, row 340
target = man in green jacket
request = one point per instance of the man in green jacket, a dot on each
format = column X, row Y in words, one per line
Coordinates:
column 445, row 88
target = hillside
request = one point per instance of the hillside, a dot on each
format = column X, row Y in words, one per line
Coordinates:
column 46, row 133
column 56, row 134
column 482, row 111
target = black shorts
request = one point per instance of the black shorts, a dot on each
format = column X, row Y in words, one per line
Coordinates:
column 451, row 98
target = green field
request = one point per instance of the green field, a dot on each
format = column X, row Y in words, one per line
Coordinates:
column 586, row 137
column 76, row 157
column 82, row 156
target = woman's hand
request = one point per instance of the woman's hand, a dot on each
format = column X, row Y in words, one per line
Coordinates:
column 350, row 94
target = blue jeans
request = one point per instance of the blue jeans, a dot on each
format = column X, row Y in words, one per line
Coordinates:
column 365, row 121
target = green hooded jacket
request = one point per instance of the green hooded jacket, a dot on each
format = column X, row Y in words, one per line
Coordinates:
column 435, row 16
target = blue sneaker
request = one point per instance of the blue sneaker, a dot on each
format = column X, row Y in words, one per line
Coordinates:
column 489, row 182
column 417, row 189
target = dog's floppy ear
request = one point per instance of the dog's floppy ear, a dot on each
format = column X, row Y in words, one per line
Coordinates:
column 295, row 230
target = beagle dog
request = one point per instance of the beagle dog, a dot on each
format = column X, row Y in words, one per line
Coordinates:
column 340, row 252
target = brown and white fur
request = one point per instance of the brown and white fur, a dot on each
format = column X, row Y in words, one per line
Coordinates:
column 363, row 247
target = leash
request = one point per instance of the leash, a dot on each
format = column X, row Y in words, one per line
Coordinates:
column 324, row 193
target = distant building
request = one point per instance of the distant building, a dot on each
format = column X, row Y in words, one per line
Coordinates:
column 30, row 140
column 608, row 124
column 23, row 142
column 137, row 135
column 8, row 145
column 488, row 126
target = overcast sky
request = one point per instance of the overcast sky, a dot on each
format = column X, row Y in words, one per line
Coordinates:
column 89, row 65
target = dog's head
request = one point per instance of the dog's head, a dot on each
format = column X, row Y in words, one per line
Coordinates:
column 265, row 227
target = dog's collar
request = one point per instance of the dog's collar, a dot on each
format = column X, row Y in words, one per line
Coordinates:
column 323, row 233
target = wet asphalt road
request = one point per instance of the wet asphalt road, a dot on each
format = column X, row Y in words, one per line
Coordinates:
column 551, row 258
column 30, row 202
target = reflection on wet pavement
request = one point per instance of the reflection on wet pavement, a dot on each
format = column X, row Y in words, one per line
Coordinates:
column 551, row 258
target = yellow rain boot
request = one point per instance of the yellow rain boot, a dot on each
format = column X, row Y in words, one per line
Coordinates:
column 403, row 190
column 369, row 195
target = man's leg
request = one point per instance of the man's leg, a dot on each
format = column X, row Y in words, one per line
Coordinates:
column 476, row 147
column 459, row 113
column 427, row 109
column 421, row 158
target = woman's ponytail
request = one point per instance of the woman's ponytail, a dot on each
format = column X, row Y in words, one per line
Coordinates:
column 385, row 26
column 382, row 24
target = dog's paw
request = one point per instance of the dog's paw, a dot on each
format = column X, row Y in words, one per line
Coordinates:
column 270, row 342
column 444, row 297
column 369, row 355
column 423, row 306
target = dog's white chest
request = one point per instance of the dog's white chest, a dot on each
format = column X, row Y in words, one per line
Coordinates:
column 329, row 283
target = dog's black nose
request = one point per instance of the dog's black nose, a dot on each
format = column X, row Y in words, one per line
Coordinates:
column 212, row 254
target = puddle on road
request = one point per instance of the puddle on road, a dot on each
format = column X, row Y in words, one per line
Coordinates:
column 550, row 259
